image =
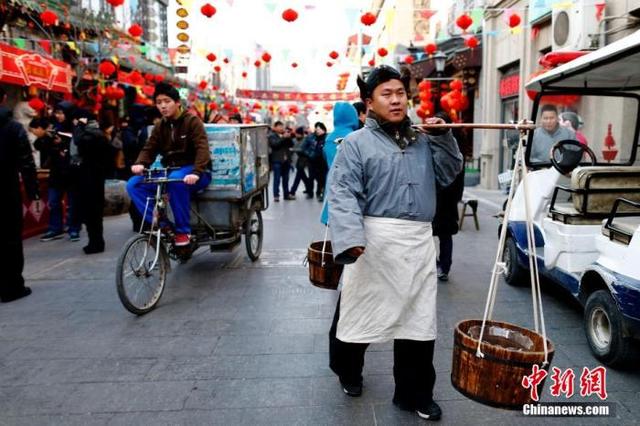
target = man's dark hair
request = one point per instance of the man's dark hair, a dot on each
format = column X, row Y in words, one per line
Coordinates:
column 378, row 76
column 278, row 123
column 320, row 125
column 548, row 107
column 166, row 89
column 39, row 123
column 360, row 107
column 300, row 131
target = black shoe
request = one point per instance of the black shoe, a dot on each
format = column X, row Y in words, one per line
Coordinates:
column 309, row 196
column 321, row 198
column 351, row 390
column 276, row 199
column 24, row 292
column 290, row 197
column 443, row 276
column 51, row 235
column 430, row 411
column 93, row 249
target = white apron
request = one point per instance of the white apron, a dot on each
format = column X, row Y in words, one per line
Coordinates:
column 390, row 291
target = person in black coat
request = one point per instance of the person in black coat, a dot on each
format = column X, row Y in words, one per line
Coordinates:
column 445, row 221
column 16, row 160
column 90, row 158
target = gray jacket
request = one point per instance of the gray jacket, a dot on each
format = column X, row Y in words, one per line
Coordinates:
column 543, row 141
column 372, row 176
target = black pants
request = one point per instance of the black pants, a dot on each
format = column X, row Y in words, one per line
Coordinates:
column 413, row 369
column 12, row 258
column 91, row 191
column 301, row 175
column 318, row 173
column 446, row 252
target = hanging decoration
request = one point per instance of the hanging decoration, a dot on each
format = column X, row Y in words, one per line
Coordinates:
column 266, row 57
column 431, row 48
column 106, row 68
column 158, row 78
column 464, row 21
column 372, row 62
column 334, row 55
column 328, row 107
column 382, row 52
column 294, row 65
column 368, row 19
column 208, row 10
column 225, row 60
column 514, row 20
column 289, row 15
column 244, row 74
column 329, row 64
column 257, row 64
column 135, row 30
column 426, row 108
column 211, row 57
column 115, row 3
column 48, row 17
column 202, row 85
column 454, row 101
column 217, row 68
column 408, row 59
column 471, row 42
column 182, row 12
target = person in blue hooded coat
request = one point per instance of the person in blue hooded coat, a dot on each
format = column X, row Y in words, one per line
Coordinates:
column 345, row 121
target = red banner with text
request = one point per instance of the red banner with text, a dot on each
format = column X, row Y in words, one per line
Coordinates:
column 24, row 68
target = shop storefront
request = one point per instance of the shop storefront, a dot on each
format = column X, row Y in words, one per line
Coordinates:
column 19, row 69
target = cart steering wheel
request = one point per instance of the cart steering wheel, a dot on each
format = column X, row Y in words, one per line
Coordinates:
column 567, row 154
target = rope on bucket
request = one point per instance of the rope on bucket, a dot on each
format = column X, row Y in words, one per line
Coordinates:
column 324, row 244
column 499, row 267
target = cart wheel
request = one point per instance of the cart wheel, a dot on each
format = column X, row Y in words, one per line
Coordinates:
column 141, row 273
column 253, row 234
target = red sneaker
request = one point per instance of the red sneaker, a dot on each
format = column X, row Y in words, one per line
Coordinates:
column 182, row 240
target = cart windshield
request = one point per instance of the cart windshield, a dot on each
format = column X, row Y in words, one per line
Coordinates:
column 608, row 124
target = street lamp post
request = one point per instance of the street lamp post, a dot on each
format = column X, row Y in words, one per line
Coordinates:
column 440, row 60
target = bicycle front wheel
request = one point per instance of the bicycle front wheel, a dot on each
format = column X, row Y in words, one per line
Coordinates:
column 141, row 273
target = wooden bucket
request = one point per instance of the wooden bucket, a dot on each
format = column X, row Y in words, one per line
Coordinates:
column 323, row 272
column 509, row 354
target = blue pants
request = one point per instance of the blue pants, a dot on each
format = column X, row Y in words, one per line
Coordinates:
column 55, row 210
column 280, row 172
column 179, row 196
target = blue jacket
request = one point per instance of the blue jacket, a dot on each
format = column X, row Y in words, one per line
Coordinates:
column 345, row 121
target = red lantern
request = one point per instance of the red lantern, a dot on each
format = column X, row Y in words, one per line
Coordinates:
column 148, row 76
column 48, row 17
column 36, row 104
column 372, row 62
column 213, row 106
column 148, row 90
column 119, row 92
column 471, row 42
column 431, row 48
column 208, row 10
column 257, row 64
column 217, row 68
column 202, row 85
column 464, row 21
column 329, row 64
column 514, row 20
column 106, row 68
column 215, row 88
column 257, row 106
column 211, row 57
column 136, row 78
column 266, row 57
column 294, row 65
column 333, row 55
column 424, row 86
column 225, row 60
column 135, row 30
column 455, row 85
column 158, row 78
column 289, row 15
column 368, row 19
column 382, row 52
column 244, row 74
column 421, row 113
column 408, row 59
column 115, row 3
column 328, row 107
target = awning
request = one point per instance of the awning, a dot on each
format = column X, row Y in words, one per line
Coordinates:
column 24, row 68
column 613, row 67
